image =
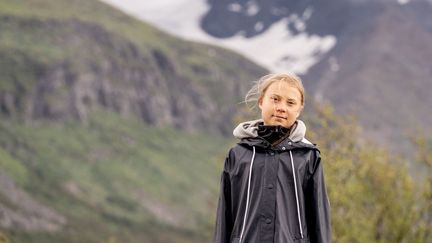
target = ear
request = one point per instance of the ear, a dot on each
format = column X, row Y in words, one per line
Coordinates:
column 299, row 111
column 260, row 103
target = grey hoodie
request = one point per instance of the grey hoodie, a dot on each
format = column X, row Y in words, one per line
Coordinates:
column 249, row 129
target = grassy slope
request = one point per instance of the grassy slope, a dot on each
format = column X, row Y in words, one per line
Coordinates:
column 120, row 167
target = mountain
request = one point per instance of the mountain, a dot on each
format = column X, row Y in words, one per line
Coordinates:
column 368, row 58
column 65, row 66
column 380, row 71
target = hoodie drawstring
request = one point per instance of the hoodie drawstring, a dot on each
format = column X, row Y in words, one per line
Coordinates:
column 247, row 196
column 296, row 194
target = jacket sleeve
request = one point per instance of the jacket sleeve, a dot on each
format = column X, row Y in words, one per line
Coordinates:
column 224, row 219
column 317, row 205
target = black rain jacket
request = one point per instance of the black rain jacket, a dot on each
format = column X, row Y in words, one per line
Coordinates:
column 268, row 203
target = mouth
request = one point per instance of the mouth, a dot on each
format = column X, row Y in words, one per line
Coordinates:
column 279, row 117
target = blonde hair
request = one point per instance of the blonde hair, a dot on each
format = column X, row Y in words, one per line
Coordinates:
column 256, row 93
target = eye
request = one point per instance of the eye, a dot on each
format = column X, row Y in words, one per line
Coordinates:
column 274, row 98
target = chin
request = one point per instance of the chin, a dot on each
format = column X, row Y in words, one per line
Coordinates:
column 277, row 123
column 284, row 124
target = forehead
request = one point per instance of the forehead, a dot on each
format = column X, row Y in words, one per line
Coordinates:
column 284, row 89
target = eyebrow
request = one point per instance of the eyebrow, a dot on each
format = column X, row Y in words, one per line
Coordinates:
column 290, row 99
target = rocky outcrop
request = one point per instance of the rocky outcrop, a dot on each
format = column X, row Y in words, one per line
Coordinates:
column 180, row 84
column 25, row 213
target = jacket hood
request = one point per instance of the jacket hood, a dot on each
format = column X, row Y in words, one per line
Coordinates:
column 249, row 129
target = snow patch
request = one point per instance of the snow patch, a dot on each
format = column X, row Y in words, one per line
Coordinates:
column 307, row 13
column 403, row 2
column 252, row 8
column 176, row 17
column 277, row 48
column 277, row 11
column 235, row 7
column 259, row 26
column 334, row 65
column 299, row 24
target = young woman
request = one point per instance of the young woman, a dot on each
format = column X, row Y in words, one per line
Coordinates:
column 272, row 184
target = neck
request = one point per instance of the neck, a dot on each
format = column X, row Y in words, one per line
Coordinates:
column 273, row 134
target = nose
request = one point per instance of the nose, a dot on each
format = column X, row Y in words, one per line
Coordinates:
column 280, row 108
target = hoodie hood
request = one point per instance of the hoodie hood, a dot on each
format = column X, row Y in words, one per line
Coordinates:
column 249, row 129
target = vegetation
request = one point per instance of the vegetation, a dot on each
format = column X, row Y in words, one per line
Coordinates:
column 373, row 196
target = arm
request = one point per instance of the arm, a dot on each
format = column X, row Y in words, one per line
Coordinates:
column 224, row 219
column 317, row 205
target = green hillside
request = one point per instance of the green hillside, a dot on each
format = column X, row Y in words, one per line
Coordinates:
column 115, row 178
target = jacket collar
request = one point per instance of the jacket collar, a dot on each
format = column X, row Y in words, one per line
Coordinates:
column 247, row 132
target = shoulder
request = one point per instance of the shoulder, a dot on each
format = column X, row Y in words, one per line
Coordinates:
column 239, row 150
column 315, row 160
column 235, row 153
column 310, row 153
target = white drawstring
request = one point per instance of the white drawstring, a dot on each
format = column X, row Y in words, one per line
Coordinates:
column 296, row 194
column 247, row 196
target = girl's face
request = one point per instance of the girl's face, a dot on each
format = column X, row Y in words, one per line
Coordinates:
column 280, row 104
